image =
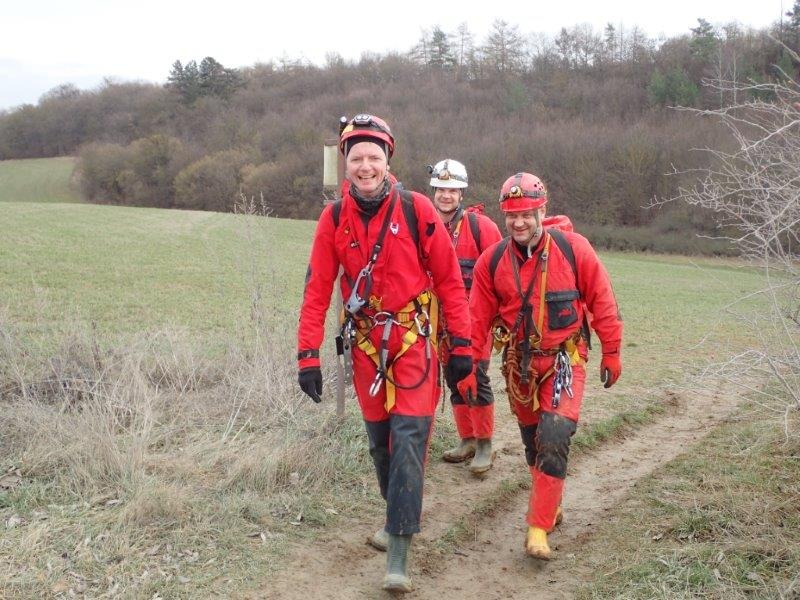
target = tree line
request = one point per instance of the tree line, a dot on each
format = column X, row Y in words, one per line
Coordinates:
column 587, row 110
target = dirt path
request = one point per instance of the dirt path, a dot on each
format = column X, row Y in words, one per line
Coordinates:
column 492, row 564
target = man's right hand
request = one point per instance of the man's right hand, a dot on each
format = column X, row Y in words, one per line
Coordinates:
column 468, row 389
column 310, row 380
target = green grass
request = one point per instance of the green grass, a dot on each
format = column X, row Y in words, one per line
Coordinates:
column 117, row 272
column 126, row 269
column 38, row 180
column 133, row 269
column 720, row 522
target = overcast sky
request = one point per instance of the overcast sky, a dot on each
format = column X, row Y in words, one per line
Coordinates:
column 44, row 43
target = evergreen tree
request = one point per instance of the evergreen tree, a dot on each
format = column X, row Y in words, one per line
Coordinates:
column 441, row 56
column 704, row 41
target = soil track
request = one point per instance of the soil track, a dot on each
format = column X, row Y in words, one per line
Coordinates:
column 492, row 563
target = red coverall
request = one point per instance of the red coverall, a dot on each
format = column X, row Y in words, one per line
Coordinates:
column 546, row 432
column 473, row 421
column 398, row 438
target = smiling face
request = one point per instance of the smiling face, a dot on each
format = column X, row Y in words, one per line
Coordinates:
column 446, row 201
column 366, row 167
column 525, row 226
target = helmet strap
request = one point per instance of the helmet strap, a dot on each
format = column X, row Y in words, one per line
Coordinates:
column 537, row 234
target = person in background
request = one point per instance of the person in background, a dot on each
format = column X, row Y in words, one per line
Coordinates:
column 470, row 232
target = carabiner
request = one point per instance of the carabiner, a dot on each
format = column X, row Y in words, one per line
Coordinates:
column 376, row 384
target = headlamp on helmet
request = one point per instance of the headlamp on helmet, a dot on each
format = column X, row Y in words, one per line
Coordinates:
column 522, row 191
column 370, row 127
column 448, row 173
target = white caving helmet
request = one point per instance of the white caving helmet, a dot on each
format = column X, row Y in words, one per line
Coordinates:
column 448, row 173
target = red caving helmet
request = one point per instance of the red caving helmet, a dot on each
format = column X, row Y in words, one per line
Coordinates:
column 522, row 191
column 368, row 126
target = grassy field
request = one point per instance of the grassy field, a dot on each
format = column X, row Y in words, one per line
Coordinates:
column 38, row 180
column 156, row 446
column 721, row 522
column 130, row 269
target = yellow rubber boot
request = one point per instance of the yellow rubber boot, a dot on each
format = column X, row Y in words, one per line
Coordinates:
column 536, row 543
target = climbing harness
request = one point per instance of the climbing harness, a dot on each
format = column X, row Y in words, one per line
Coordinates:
column 522, row 380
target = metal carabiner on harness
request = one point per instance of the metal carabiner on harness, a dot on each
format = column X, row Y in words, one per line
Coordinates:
column 562, row 380
column 383, row 354
column 356, row 302
column 423, row 330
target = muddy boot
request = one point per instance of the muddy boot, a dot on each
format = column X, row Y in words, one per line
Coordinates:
column 483, row 457
column 536, row 543
column 464, row 451
column 379, row 540
column 397, row 579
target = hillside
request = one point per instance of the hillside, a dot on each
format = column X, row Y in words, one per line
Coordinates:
column 38, row 180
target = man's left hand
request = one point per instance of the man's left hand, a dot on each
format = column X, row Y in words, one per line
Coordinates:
column 468, row 389
column 458, row 367
column 610, row 369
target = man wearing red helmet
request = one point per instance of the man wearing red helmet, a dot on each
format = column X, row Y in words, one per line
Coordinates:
column 547, row 285
column 391, row 247
column 471, row 233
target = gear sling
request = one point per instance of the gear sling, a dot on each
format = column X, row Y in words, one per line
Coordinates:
column 419, row 317
column 516, row 368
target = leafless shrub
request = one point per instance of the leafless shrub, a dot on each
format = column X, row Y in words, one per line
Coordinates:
column 754, row 192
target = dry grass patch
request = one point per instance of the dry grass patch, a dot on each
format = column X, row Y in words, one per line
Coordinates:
column 132, row 471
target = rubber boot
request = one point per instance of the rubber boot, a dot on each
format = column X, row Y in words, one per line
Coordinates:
column 397, row 579
column 464, row 451
column 379, row 540
column 536, row 543
column 483, row 457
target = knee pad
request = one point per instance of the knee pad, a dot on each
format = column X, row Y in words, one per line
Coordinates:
column 552, row 443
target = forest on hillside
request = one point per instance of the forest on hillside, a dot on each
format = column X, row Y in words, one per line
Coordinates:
column 592, row 112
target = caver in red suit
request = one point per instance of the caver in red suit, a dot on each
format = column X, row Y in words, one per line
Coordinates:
column 392, row 247
column 471, row 232
column 529, row 280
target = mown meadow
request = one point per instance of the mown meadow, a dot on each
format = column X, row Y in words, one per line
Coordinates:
column 152, row 436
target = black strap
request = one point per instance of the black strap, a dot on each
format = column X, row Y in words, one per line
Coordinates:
column 566, row 249
column 476, row 230
column 307, row 354
column 407, row 203
column 376, row 249
column 497, row 255
column 336, row 211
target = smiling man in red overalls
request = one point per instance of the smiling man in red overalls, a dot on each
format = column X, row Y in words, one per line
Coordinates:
column 548, row 285
column 392, row 248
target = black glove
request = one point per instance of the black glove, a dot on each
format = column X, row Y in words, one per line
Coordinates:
column 310, row 380
column 458, row 367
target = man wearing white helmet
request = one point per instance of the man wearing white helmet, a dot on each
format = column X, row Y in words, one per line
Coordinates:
column 471, row 232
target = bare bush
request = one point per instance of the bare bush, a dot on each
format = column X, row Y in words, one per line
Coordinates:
column 753, row 191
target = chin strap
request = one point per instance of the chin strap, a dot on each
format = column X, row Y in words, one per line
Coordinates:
column 537, row 235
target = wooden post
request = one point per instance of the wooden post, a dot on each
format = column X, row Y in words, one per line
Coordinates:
column 332, row 177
